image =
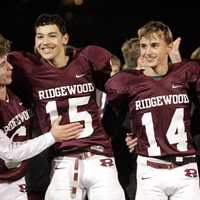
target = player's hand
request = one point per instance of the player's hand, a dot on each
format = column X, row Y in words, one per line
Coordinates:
column 115, row 65
column 131, row 142
column 174, row 54
column 66, row 131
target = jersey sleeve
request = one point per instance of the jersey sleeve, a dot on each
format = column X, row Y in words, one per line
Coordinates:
column 117, row 94
column 21, row 62
column 19, row 151
column 117, row 87
column 99, row 60
column 98, row 57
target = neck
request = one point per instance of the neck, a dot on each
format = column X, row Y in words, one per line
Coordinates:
column 3, row 93
column 161, row 70
column 59, row 62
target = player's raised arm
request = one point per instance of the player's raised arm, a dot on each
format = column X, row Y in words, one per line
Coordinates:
column 19, row 151
column 174, row 54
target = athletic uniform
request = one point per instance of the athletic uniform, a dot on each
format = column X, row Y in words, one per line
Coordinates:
column 14, row 147
column 160, row 118
column 14, row 120
column 70, row 92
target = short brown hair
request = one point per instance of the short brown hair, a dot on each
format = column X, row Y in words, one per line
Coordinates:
column 4, row 45
column 156, row 27
column 131, row 52
column 196, row 54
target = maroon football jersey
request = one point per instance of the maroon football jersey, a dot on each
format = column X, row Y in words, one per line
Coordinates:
column 159, row 109
column 14, row 121
column 69, row 92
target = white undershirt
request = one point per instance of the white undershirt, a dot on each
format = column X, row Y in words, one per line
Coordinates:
column 19, row 151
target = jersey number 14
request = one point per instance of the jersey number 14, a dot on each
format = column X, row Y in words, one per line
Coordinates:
column 175, row 134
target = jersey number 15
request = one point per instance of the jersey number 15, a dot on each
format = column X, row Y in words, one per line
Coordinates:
column 74, row 115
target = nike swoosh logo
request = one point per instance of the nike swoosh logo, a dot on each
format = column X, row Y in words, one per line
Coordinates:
column 176, row 86
column 79, row 75
column 144, row 178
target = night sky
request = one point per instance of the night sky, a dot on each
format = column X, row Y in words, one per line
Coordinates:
column 107, row 23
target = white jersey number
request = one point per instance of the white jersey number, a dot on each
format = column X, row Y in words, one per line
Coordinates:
column 74, row 115
column 175, row 134
column 21, row 131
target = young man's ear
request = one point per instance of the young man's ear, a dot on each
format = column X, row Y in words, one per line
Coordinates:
column 65, row 39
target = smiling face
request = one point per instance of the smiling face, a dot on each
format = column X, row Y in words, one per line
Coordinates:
column 5, row 71
column 50, row 42
column 154, row 50
column 155, row 44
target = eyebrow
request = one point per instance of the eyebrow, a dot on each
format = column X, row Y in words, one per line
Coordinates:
column 47, row 33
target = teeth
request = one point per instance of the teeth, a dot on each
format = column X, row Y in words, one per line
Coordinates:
column 46, row 50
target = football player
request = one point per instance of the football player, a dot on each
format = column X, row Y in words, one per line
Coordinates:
column 14, row 130
column 159, row 107
column 64, row 83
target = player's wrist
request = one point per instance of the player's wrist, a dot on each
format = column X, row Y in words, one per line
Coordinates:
column 51, row 137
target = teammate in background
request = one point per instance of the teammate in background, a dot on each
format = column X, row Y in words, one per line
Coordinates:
column 14, row 128
column 196, row 54
column 131, row 52
column 160, row 117
column 65, row 85
column 125, row 162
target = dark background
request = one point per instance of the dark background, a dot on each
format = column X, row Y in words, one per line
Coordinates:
column 107, row 23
